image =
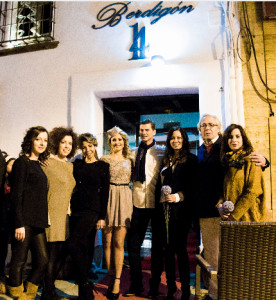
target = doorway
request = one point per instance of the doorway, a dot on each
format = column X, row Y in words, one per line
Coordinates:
column 164, row 110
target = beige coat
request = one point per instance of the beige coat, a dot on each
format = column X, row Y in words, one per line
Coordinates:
column 144, row 193
column 245, row 188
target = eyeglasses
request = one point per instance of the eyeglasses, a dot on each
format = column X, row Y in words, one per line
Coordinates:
column 211, row 125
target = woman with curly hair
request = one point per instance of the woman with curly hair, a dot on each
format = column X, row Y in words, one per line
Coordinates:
column 243, row 181
column 30, row 213
column 119, row 208
column 61, row 182
column 175, row 196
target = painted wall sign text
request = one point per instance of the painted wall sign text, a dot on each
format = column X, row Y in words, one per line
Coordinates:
column 111, row 15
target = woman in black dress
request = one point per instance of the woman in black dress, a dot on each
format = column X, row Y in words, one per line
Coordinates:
column 177, row 185
column 88, row 205
column 30, row 213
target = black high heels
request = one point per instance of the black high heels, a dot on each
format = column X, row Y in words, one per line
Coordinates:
column 113, row 296
column 110, row 287
column 110, row 295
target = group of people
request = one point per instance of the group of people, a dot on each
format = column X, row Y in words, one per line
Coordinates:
column 58, row 203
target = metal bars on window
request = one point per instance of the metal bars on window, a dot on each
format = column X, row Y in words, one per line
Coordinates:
column 26, row 22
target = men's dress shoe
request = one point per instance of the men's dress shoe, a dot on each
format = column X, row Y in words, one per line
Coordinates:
column 186, row 293
column 171, row 292
column 153, row 293
column 92, row 275
column 86, row 291
column 185, row 296
column 134, row 292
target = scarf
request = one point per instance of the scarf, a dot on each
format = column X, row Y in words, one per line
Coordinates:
column 235, row 159
column 139, row 170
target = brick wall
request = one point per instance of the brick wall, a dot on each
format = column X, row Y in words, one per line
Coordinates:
column 260, row 126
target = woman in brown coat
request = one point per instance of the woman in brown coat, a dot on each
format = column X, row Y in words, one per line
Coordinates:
column 243, row 181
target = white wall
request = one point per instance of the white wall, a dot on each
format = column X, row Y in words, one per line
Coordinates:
column 63, row 86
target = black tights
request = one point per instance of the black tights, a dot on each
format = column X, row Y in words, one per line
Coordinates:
column 4, row 243
column 57, row 256
column 79, row 242
column 35, row 241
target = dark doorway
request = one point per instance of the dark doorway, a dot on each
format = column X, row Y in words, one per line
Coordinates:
column 166, row 111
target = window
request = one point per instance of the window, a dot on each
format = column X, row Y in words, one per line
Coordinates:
column 26, row 26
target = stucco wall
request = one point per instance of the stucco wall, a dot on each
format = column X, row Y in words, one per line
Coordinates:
column 63, row 86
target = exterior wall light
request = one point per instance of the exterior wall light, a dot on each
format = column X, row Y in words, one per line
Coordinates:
column 157, row 61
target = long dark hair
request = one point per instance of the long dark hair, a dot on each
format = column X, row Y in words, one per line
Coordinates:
column 57, row 134
column 28, row 140
column 183, row 152
column 247, row 146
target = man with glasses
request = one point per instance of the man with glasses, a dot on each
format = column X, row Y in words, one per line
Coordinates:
column 211, row 176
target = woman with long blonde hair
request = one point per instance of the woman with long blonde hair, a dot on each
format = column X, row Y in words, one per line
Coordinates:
column 119, row 208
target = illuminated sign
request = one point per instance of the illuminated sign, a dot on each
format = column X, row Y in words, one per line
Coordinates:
column 111, row 15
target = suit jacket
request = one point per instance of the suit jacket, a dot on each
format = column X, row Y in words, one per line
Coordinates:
column 144, row 193
column 211, row 175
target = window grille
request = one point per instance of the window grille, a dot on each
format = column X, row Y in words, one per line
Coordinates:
column 24, row 23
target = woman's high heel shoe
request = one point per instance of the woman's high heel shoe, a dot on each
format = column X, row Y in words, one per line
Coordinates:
column 113, row 296
column 110, row 287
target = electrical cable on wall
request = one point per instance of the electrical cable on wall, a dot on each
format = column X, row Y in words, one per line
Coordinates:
column 233, row 96
column 247, row 26
column 249, row 49
column 249, row 45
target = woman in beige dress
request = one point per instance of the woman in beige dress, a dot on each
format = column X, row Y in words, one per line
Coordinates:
column 119, row 208
column 61, row 182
